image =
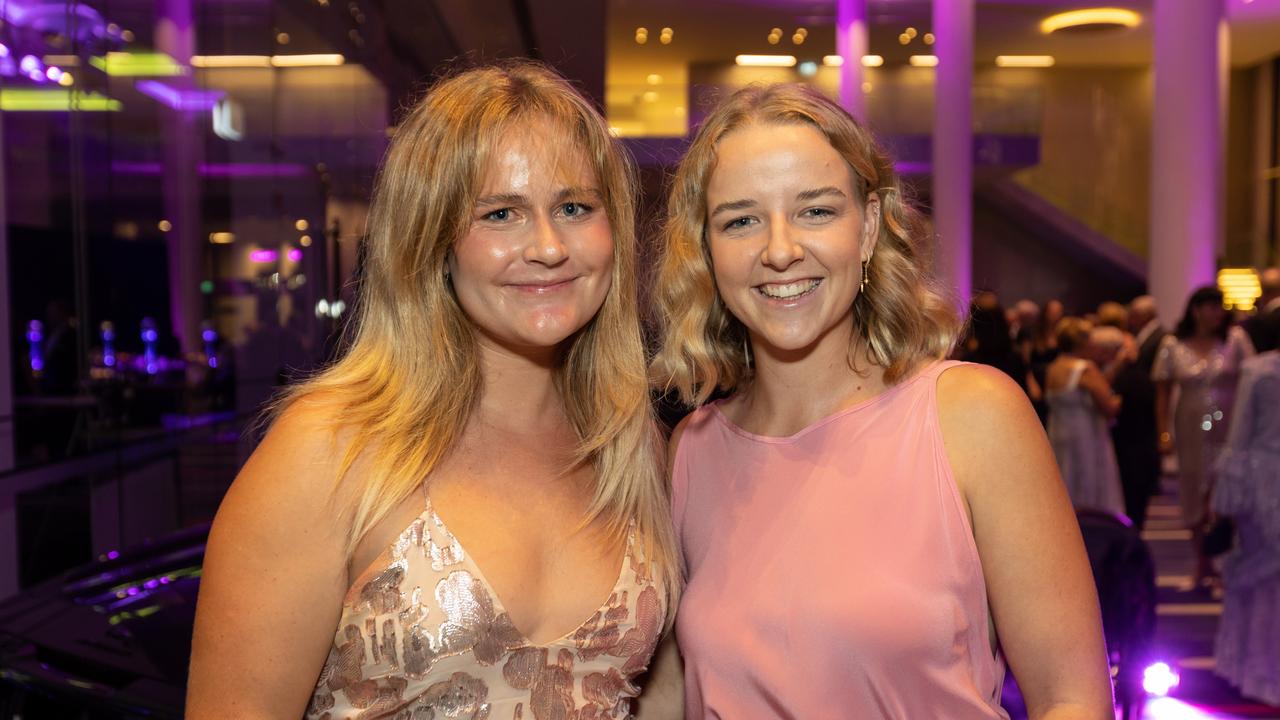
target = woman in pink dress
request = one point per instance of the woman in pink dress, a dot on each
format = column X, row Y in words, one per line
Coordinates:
column 868, row 530
column 466, row 515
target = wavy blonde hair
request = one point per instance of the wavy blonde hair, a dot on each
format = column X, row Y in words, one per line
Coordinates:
column 902, row 318
column 410, row 379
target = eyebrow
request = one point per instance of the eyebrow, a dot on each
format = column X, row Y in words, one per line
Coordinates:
column 819, row 192
column 731, row 206
column 518, row 199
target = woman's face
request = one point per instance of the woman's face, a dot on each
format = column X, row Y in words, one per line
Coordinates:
column 536, row 263
column 1209, row 317
column 788, row 233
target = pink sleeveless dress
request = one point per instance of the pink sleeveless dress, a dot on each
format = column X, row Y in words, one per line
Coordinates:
column 831, row 573
column 423, row 635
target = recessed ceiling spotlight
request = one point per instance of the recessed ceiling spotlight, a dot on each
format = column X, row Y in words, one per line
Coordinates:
column 929, row 38
column 1090, row 19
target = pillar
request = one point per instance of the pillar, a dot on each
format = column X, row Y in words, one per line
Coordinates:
column 953, row 144
column 1186, row 152
column 852, row 44
column 8, row 510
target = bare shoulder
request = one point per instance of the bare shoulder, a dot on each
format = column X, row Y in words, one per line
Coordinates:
column 987, row 421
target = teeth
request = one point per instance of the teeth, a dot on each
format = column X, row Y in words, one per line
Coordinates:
column 789, row 290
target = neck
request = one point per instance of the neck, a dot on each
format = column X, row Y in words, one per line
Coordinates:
column 520, row 391
column 793, row 389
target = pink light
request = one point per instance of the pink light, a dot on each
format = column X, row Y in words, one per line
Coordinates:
column 263, row 256
column 295, row 254
column 53, row 73
column 1158, row 679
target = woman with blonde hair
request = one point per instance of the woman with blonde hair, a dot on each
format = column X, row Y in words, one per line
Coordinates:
column 464, row 516
column 1081, row 402
column 867, row 529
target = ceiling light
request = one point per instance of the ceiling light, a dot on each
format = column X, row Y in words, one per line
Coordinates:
column 924, row 60
column 832, row 60
column 126, row 64
column 31, row 100
column 1024, row 61
column 903, row 39
column 653, row 79
column 797, row 39
column 911, row 33
column 872, row 61
column 230, row 61
column 1090, row 16
column 766, row 60
column 321, row 60
column 929, row 38
column 222, row 238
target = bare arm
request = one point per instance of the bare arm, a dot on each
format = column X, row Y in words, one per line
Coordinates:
column 1038, row 579
column 1099, row 388
column 1164, row 389
column 663, row 695
column 273, row 581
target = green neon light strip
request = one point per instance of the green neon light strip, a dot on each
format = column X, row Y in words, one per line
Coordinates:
column 125, row 64
column 28, row 100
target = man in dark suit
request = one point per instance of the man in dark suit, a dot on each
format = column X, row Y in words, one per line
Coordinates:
column 1134, row 432
column 1264, row 327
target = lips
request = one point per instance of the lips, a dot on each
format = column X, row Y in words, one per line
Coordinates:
column 791, row 290
column 540, row 286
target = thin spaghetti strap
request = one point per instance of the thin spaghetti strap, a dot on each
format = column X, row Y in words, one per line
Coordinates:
column 1077, row 372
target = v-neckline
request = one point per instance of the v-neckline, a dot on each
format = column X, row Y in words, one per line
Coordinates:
column 500, row 607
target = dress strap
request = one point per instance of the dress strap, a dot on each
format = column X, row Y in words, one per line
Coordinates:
column 1076, row 373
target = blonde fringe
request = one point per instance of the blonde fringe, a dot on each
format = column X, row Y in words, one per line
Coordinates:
column 407, row 385
column 902, row 319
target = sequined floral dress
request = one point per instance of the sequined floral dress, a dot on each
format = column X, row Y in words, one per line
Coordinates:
column 1206, row 393
column 423, row 635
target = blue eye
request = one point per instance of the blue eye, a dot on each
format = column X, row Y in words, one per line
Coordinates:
column 499, row 215
column 819, row 212
column 574, row 209
column 738, row 223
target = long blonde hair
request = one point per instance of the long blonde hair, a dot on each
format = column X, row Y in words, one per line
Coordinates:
column 902, row 318
column 410, row 379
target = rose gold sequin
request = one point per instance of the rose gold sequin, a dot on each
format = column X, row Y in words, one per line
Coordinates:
column 427, row 613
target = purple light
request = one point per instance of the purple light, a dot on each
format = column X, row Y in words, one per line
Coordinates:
column 113, row 555
column 1158, row 679
column 53, row 73
column 295, row 254
column 133, row 591
column 208, row 335
column 179, row 99
column 4, row 50
column 36, row 76
column 219, row 170
column 213, row 361
column 29, row 64
column 151, row 584
column 263, row 256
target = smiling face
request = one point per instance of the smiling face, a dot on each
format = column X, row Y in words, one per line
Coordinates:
column 536, row 263
column 788, row 233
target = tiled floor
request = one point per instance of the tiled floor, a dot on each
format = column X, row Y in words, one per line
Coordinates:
column 1185, row 626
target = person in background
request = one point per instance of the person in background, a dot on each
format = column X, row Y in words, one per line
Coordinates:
column 466, row 514
column 868, row 529
column 1134, row 432
column 1113, row 314
column 1247, row 650
column 1044, row 348
column 1264, row 326
column 1202, row 359
column 988, row 342
column 1081, row 402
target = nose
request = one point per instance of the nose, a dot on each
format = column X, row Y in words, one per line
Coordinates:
column 546, row 247
column 782, row 250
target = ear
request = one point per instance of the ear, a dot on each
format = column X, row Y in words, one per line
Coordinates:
column 870, row 226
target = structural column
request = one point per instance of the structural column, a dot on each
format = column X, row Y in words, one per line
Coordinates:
column 1186, row 152
column 8, row 509
column 852, row 44
column 183, row 138
column 953, row 143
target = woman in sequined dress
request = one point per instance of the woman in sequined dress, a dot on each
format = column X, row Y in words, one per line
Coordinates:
column 465, row 516
column 1202, row 361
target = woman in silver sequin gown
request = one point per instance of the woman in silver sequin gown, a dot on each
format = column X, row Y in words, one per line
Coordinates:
column 1201, row 360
